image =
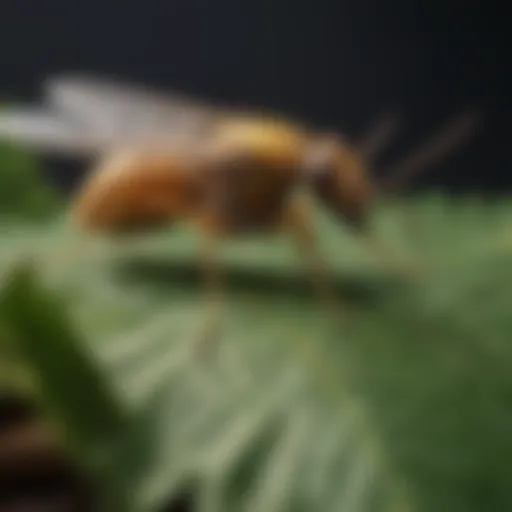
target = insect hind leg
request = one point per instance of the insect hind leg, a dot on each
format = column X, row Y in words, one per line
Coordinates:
column 208, row 336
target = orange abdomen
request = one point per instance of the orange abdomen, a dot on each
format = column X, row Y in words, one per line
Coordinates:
column 135, row 192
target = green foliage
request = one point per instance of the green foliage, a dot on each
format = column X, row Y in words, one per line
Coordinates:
column 406, row 408
column 23, row 192
column 49, row 342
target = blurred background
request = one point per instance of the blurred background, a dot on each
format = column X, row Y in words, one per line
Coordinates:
column 338, row 63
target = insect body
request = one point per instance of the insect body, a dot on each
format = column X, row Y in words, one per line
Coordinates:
column 238, row 178
column 160, row 160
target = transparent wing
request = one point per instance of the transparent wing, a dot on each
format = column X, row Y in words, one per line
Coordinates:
column 124, row 111
column 86, row 115
column 42, row 130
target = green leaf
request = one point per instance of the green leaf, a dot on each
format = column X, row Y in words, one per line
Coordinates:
column 406, row 408
column 71, row 382
column 25, row 194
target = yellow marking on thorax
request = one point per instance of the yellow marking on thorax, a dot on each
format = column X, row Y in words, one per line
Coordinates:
column 275, row 140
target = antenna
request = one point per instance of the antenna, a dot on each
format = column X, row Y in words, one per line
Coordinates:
column 452, row 135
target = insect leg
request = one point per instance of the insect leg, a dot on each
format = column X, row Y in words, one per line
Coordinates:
column 298, row 222
column 212, row 225
column 209, row 329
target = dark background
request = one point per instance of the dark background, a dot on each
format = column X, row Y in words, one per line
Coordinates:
column 334, row 62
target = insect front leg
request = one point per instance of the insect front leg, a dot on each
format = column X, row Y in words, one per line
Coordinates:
column 298, row 221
